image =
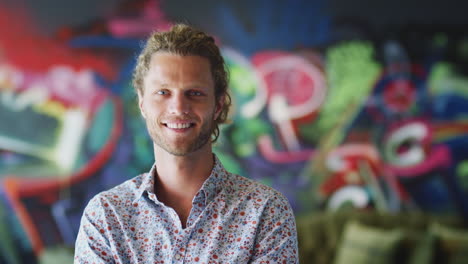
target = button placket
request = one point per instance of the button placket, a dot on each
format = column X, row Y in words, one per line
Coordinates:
column 182, row 240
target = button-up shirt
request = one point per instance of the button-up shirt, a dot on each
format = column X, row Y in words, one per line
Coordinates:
column 233, row 220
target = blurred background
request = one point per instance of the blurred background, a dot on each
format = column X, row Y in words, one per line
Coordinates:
column 356, row 110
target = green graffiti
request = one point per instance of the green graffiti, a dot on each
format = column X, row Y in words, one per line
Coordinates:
column 100, row 129
column 229, row 162
column 351, row 72
column 242, row 81
column 462, row 174
column 7, row 247
column 240, row 137
column 243, row 85
column 443, row 79
column 142, row 144
column 56, row 255
column 246, row 135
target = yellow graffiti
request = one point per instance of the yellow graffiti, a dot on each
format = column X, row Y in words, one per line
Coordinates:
column 51, row 108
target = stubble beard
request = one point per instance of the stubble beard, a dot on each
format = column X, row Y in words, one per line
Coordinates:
column 184, row 148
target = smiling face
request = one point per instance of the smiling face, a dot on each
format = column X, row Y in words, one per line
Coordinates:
column 178, row 103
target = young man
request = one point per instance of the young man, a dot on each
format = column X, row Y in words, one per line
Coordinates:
column 188, row 208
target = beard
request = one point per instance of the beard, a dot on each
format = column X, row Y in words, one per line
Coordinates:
column 185, row 144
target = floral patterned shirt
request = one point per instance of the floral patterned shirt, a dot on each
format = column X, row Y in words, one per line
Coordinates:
column 233, row 220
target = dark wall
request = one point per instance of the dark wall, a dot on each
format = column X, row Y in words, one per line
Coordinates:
column 336, row 103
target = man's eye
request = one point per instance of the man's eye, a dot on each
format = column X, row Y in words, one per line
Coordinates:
column 195, row 93
column 162, row 92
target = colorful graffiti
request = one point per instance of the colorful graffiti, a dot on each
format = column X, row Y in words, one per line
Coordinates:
column 330, row 122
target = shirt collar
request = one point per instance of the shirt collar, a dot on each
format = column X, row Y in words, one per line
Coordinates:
column 147, row 183
column 210, row 188
column 215, row 182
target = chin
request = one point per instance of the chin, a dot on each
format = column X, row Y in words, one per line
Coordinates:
column 178, row 151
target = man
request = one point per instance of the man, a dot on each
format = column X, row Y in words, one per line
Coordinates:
column 188, row 208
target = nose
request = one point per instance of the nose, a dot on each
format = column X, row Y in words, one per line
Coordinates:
column 179, row 104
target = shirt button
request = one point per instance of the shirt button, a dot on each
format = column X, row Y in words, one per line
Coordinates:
column 178, row 256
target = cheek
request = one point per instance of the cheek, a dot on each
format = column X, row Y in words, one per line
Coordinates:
column 151, row 110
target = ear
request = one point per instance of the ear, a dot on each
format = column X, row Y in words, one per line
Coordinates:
column 140, row 103
column 218, row 107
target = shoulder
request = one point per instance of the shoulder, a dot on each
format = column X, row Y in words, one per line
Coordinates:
column 267, row 205
column 255, row 190
column 120, row 195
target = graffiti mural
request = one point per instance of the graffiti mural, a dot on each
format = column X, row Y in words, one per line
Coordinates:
column 328, row 115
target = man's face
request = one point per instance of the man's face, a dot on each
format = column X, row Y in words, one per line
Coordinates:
column 178, row 102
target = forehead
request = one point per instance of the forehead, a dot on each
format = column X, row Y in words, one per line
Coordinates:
column 168, row 66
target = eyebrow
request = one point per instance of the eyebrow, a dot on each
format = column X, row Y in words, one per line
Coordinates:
column 157, row 83
column 203, row 86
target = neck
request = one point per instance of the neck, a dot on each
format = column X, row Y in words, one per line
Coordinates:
column 178, row 178
column 182, row 175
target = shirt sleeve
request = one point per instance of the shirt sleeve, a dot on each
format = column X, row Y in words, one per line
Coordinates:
column 277, row 236
column 92, row 244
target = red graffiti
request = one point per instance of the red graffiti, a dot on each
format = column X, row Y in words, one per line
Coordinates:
column 22, row 46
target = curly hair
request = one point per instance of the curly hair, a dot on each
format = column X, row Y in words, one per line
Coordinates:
column 185, row 40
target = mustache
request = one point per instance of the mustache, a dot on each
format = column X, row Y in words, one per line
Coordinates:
column 179, row 118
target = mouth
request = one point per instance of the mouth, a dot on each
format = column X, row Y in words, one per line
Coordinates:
column 179, row 125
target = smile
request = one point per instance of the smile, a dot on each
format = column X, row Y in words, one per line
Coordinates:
column 179, row 125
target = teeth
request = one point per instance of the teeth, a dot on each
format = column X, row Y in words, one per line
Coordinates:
column 178, row 125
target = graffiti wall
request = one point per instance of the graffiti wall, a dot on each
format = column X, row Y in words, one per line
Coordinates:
column 325, row 111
